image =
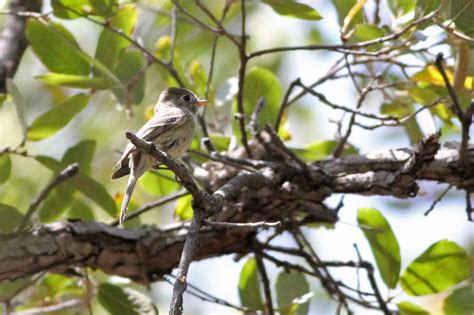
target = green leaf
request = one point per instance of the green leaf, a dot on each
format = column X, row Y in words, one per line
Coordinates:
column 81, row 153
column 70, row 9
column 129, row 66
column 58, row 117
column 365, row 32
column 383, row 243
column 11, row 218
column 402, row 7
column 184, row 209
column 260, row 82
column 158, row 183
column 5, row 167
column 249, row 288
column 463, row 13
column 79, row 210
column 441, row 266
column 56, row 47
column 295, row 9
column 111, row 45
column 96, row 192
column 124, row 301
column 104, row 8
column 56, row 204
column 290, row 287
column 343, row 7
column 460, row 301
column 220, row 142
column 57, row 285
column 85, row 184
column 424, row 96
column 408, row 308
column 20, row 105
column 75, row 81
column 320, row 150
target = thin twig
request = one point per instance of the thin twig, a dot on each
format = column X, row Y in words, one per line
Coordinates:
column 347, row 48
column 469, row 210
column 266, row 284
column 217, row 22
column 205, row 296
column 50, row 309
column 437, row 200
column 240, row 116
column 464, row 117
column 456, row 106
column 199, row 22
column 148, row 206
column 132, row 41
column 202, row 113
column 68, row 172
column 252, row 225
column 173, row 35
column 284, row 103
column 343, row 141
column 224, row 159
column 378, row 296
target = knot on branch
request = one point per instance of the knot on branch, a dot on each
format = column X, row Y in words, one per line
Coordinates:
column 423, row 153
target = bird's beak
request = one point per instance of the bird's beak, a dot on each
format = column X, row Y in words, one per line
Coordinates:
column 202, row 103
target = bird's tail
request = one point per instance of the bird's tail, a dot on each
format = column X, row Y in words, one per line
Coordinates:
column 132, row 180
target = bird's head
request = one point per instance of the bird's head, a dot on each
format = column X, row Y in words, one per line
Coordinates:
column 180, row 97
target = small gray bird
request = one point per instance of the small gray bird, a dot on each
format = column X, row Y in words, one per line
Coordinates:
column 171, row 129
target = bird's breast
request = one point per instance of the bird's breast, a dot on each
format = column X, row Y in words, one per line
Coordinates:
column 177, row 141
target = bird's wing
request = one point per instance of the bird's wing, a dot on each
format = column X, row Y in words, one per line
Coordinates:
column 154, row 128
column 159, row 125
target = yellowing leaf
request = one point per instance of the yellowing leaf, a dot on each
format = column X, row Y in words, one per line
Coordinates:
column 184, row 209
column 431, row 75
column 163, row 47
column 75, row 81
column 354, row 11
column 199, row 77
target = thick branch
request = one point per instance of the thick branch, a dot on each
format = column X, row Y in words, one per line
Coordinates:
column 276, row 193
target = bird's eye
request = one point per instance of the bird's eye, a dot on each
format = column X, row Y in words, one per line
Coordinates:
column 186, row 98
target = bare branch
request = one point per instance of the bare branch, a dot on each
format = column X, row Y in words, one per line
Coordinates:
column 266, row 284
column 233, row 225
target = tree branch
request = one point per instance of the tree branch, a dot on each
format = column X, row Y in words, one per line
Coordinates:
column 273, row 193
